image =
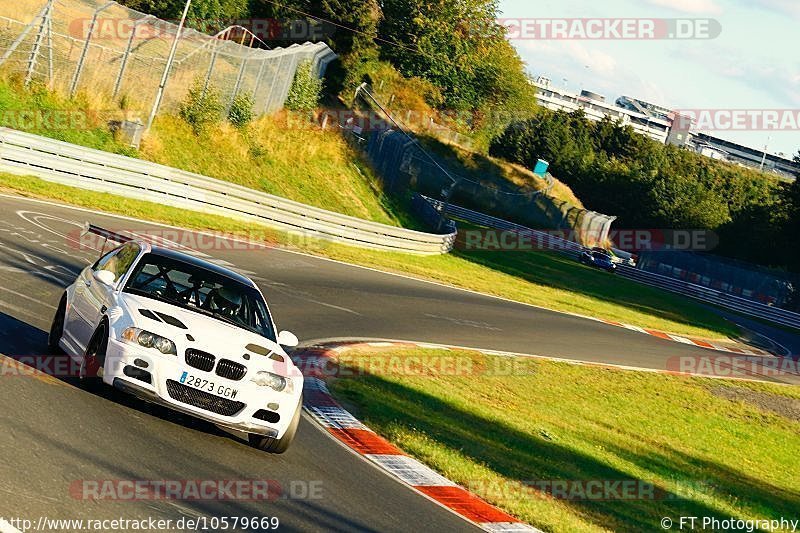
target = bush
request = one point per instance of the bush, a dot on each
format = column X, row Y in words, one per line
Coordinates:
column 201, row 108
column 241, row 112
column 647, row 184
column 306, row 89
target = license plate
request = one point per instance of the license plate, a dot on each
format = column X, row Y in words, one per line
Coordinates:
column 205, row 385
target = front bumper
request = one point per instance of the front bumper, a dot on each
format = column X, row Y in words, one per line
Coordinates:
column 162, row 368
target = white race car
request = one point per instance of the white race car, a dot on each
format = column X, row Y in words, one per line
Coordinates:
column 175, row 330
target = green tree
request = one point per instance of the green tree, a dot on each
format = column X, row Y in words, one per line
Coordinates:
column 202, row 107
column 205, row 15
column 241, row 112
column 304, row 93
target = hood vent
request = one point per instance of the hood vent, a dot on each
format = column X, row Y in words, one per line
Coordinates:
column 149, row 314
column 161, row 317
column 171, row 320
column 260, row 350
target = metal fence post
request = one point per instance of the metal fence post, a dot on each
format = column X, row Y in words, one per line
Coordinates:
column 268, row 103
column 127, row 54
column 258, row 79
column 165, row 76
column 50, row 67
column 79, row 69
column 24, row 34
column 37, row 43
column 241, row 72
column 211, row 66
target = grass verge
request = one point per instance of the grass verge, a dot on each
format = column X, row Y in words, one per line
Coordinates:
column 529, row 435
column 275, row 154
column 536, row 278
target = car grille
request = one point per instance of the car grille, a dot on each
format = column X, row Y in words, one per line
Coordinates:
column 200, row 360
column 203, row 400
column 231, row 369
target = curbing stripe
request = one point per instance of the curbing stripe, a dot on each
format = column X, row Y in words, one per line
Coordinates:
column 468, row 505
column 345, row 428
column 410, row 471
column 749, row 350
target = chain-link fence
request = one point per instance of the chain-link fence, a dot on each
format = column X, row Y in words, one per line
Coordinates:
column 764, row 285
column 404, row 166
column 111, row 51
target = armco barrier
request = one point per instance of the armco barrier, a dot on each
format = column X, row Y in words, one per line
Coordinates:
column 712, row 296
column 698, row 292
column 69, row 164
column 548, row 241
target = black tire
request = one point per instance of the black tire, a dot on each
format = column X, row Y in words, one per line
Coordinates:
column 57, row 327
column 273, row 445
column 94, row 359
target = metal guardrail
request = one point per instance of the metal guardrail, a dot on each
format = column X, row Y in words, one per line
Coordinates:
column 86, row 168
column 712, row 296
column 542, row 238
column 698, row 292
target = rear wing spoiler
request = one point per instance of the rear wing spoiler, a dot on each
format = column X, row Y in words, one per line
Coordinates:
column 107, row 235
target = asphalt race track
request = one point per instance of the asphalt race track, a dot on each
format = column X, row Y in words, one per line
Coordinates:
column 53, row 435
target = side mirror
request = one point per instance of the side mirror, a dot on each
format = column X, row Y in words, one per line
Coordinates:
column 288, row 339
column 105, row 277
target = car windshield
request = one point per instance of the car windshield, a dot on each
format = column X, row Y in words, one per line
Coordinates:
column 202, row 291
column 600, row 255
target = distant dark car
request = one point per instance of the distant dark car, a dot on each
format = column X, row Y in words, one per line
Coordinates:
column 598, row 258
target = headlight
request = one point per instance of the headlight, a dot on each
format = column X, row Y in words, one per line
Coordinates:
column 274, row 381
column 149, row 340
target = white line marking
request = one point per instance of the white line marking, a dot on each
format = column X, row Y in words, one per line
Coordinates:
column 336, row 418
column 678, row 338
column 507, row 527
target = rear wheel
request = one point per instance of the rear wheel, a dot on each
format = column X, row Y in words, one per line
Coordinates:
column 273, row 445
column 57, row 327
column 90, row 373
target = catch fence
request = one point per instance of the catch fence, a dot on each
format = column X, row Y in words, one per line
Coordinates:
column 119, row 55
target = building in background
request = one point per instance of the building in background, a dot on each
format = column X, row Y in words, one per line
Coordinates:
column 596, row 108
column 663, row 125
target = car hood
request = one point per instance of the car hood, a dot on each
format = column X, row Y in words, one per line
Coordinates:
column 209, row 334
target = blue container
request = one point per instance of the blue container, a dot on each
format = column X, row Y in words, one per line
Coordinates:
column 541, row 167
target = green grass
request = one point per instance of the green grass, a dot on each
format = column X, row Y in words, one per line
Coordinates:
column 537, row 278
column 282, row 156
column 275, row 154
column 714, row 448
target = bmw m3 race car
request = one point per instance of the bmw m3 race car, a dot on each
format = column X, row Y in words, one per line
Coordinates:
column 179, row 331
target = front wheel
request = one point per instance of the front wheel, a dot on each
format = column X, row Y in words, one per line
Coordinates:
column 90, row 373
column 57, row 327
column 273, row 445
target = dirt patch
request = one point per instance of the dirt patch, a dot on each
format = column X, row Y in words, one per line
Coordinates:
column 780, row 405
